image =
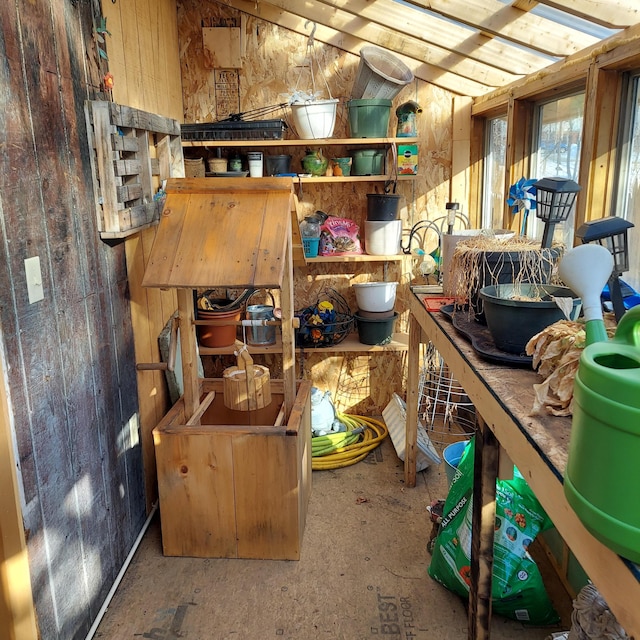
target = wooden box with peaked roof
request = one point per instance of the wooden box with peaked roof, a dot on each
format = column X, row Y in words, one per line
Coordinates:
column 231, row 484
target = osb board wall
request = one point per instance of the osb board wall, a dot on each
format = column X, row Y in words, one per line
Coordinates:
column 273, row 65
column 143, row 58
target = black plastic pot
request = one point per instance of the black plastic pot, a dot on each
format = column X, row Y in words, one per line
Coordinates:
column 383, row 206
column 505, row 267
column 372, row 331
column 514, row 316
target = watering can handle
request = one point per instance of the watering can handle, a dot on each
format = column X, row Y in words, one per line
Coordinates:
column 628, row 330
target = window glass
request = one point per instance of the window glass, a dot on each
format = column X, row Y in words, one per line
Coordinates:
column 629, row 184
column 557, row 154
column 493, row 190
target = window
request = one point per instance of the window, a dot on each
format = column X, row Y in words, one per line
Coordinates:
column 628, row 197
column 493, row 190
column 557, row 153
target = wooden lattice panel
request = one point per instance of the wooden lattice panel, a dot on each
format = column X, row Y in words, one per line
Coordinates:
column 132, row 153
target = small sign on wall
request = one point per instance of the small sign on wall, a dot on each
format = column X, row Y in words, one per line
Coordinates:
column 227, row 86
column 222, row 47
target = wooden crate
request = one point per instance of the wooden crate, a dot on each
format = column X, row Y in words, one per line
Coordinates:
column 132, row 153
column 235, row 486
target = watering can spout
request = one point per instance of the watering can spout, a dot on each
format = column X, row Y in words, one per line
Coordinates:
column 586, row 269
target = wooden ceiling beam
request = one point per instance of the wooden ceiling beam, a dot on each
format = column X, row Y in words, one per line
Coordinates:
column 295, row 21
column 396, row 41
column 613, row 15
column 444, row 33
column 515, row 25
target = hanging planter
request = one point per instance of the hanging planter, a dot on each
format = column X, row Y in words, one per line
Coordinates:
column 313, row 117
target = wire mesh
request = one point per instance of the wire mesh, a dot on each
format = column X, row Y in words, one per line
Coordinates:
column 444, row 409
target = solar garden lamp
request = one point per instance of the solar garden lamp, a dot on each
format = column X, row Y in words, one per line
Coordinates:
column 611, row 233
column 554, row 199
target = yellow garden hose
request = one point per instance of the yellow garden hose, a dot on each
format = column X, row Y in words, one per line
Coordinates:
column 343, row 449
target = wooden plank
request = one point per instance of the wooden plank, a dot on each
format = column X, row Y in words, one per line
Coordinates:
column 485, row 470
column 125, row 116
column 188, row 352
column 124, row 143
column 100, row 131
column 195, row 483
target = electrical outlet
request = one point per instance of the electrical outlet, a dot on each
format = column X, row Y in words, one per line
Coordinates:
column 34, row 279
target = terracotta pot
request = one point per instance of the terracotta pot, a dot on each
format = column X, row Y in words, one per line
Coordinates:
column 218, row 335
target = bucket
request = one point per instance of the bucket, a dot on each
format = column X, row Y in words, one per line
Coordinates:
column 375, row 331
column 382, row 206
column 277, row 164
column 452, row 455
column 218, row 335
column 316, row 119
column 367, row 162
column 369, row 118
column 375, row 296
column 382, row 237
column 380, row 75
column 260, row 335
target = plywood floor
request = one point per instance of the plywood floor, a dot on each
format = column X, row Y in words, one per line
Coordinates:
column 362, row 575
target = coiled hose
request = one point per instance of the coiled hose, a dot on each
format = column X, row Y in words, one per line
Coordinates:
column 337, row 450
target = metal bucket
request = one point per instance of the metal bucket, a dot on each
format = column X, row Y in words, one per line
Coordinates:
column 260, row 335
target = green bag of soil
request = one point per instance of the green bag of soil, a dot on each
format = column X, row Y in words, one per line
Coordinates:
column 518, row 591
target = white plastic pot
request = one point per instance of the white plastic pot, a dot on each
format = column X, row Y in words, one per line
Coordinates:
column 382, row 237
column 314, row 119
column 375, row 296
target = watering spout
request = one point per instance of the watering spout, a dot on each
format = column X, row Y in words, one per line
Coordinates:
column 586, row 269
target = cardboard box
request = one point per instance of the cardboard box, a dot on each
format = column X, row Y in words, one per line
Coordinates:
column 408, row 159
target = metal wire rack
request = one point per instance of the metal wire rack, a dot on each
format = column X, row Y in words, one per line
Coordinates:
column 444, row 408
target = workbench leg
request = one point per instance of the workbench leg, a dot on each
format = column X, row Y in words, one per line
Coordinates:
column 485, row 471
column 411, row 422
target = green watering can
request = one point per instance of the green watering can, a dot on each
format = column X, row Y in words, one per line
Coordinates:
column 603, row 470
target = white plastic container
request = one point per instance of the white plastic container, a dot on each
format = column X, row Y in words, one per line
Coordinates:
column 382, row 237
column 315, row 119
column 375, row 296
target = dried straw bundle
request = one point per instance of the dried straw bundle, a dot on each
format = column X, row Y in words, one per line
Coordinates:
column 480, row 261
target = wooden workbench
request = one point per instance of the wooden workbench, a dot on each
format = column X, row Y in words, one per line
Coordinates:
column 503, row 397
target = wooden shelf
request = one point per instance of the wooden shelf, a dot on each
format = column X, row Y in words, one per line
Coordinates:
column 351, row 344
column 372, row 178
column 364, row 257
column 298, row 143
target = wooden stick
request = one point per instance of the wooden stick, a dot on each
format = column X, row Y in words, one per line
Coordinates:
column 199, row 412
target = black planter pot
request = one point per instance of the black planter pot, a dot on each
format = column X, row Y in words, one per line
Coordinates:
column 383, row 206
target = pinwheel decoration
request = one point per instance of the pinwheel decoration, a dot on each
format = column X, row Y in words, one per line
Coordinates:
column 522, row 197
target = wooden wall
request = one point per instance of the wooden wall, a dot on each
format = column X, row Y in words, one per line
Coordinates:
column 272, row 66
column 144, row 61
column 70, row 412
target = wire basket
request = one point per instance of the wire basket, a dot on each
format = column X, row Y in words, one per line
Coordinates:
column 444, row 409
column 326, row 323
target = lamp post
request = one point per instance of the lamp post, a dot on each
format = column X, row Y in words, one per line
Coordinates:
column 554, row 199
column 611, row 232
